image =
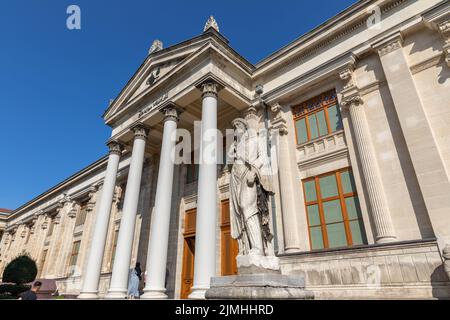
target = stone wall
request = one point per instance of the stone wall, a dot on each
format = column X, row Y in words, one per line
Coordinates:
column 399, row 271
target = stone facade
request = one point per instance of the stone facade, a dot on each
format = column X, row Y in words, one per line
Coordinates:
column 390, row 80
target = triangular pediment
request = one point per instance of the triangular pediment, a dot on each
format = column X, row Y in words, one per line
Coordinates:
column 157, row 66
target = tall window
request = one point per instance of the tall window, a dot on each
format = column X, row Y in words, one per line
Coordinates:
column 27, row 239
column 51, row 226
column 333, row 211
column 113, row 255
column 81, row 218
column 317, row 117
column 74, row 255
column 42, row 262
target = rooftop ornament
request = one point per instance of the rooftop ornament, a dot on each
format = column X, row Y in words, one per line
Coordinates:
column 157, row 45
column 211, row 23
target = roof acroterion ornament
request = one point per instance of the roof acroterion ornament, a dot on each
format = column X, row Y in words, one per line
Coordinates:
column 157, row 45
column 211, row 23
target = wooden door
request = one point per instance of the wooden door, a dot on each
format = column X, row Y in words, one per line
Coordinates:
column 229, row 246
column 188, row 267
column 187, row 275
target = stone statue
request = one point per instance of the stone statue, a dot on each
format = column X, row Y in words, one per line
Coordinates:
column 250, row 187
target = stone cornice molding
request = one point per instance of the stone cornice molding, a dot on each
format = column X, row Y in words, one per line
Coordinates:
column 54, row 208
column 325, row 72
column 171, row 112
column 313, row 42
column 140, row 130
column 389, row 44
column 115, row 147
column 83, row 193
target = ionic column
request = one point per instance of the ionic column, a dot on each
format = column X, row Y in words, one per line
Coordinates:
column 159, row 235
column 384, row 229
column 94, row 263
column 205, row 239
column 121, row 267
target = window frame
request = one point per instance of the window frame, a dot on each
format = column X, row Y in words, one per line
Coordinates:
column 312, row 107
column 73, row 253
column 82, row 214
column 341, row 196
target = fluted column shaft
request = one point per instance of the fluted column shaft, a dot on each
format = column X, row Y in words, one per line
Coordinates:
column 159, row 235
column 205, row 239
column 120, row 271
column 384, row 229
column 94, row 263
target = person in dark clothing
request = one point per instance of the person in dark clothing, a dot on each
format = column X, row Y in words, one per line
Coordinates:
column 31, row 294
column 138, row 270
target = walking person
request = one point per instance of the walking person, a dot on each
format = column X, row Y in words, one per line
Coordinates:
column 133, row 283
column 31, row 294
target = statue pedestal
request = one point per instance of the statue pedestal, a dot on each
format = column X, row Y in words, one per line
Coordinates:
column 259, row 278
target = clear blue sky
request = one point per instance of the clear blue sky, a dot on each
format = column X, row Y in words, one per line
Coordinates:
column 55, row 83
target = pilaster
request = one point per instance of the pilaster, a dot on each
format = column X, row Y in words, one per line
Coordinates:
column 427, row 161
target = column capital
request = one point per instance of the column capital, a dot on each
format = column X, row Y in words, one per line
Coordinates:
column 209, row 88
column 171, row 112
column 389, row 44
column 115, row 147
column 140, row 130
column 444, row 29
column 354, row 100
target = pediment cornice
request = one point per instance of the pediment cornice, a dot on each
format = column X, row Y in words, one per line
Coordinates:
column 182, row 54
column 211, row 51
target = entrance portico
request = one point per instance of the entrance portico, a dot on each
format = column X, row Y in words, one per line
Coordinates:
column 145, row 118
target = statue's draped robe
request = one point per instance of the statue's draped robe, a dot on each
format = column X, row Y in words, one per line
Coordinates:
column 251, row 161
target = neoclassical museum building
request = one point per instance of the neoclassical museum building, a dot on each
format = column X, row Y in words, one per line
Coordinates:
column 361, row 203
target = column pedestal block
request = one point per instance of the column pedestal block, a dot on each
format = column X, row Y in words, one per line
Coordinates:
column 259, row 286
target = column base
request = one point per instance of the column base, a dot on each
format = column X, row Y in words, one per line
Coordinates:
column 154, row 294
column 386, row 239
column 88, row 296
column 198, row 293
column 116, row 294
